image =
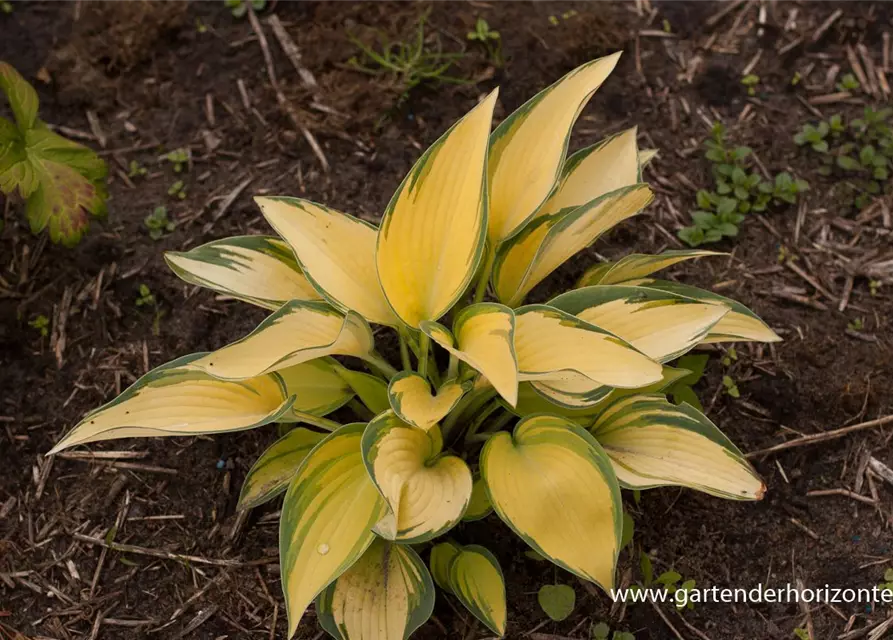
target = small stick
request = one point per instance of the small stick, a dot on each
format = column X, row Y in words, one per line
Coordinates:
column 280, row 97
column 812, row 534
column 102, row 455
column 291, row 51
column 167, row 555
column 808, row 278
column 826, row 25
column 793, row 297
column 841, row 492
column 666, row 620
column 847, row 291
column 880, row 469
column 824, row 436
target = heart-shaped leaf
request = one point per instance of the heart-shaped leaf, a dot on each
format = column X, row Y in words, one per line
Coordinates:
column 410, row 397
column 427, row 492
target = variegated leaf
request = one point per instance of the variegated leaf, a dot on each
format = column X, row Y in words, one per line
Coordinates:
column 427, row 492
column 652, row 443
column 300, row 331
column 258, row 269
column 386, row 595
column 178, row 399
column 336, row 252
column 270, row 474
column 410, row 397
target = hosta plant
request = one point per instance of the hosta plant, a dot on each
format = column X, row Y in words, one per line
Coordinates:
column 539, row 412
column 61, row 182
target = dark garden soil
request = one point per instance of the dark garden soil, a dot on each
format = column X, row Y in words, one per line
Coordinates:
column 156, row 77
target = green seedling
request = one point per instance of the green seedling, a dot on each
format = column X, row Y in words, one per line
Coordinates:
column 750, row 81
column 145, row 298
column 730, row 386
column 861, row 154
column 177, row 190
column 41, row 324
column 158, row 223
column 5, row 7
column 136, row 170
column 848, row 83
column 873, row 287
column 796, row 78
column 489, row 39
column 730, row 356
column 672, row 582
column 200, row 27
column 179, row 158
column 801, row 633
column 410, row 63
column 238, row 8
column 857, row 324
column 785, row 255
column 739, row 191
column 814, row 136
column 557, row 600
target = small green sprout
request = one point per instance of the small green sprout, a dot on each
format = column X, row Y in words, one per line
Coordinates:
column 553, row 20
column 177, row 190
column 671, row 581
column 873, row 287
column 158, row 223
column 136, row 170
column 814, row 136
column 489, row 39
column 5, row 7
column 240, row 7
column 730, row 357
column 751, row 81
column 731, row 388
column 179, row 158
column 739, row 190
column 200, row 27
column 145, row 297
column 801, row 633
column 857, row 324
column 41, row 324
column 795, row 80
column 848, row 83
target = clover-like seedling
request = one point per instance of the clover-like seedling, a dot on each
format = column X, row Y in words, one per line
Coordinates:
column 177, row 190
column 135, row 169
column 750, row 81
column 848, row 83
column 814, row 136
column 158, row 223
column 145, row 297
column 179, row 158
column 41, row 324
column 488, row 38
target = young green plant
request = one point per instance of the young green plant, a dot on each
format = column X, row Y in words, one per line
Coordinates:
column 537, row 412
column 61, row 182
column 739, row 190
column 409, row 62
